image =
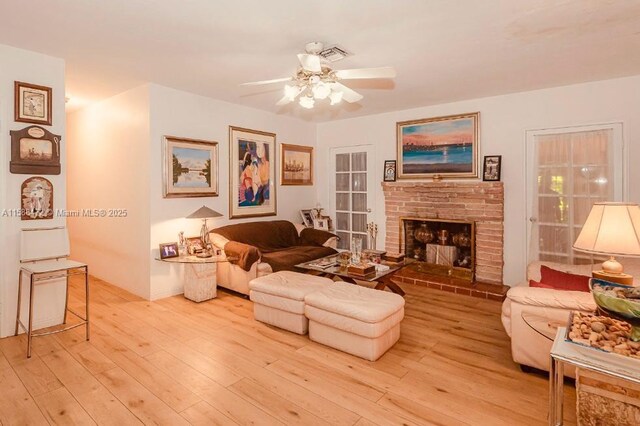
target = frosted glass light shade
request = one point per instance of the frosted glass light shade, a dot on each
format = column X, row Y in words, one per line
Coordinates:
column 306, row 102
column 612, row 229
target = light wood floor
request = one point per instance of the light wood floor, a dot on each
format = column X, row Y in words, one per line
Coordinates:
column 177, row 362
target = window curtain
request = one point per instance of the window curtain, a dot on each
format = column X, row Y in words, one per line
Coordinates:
column 573, row 171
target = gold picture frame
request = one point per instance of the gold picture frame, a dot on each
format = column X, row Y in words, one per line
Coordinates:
column 32, row 103
column 296, row 165
column 190, row 168
column 439, row 147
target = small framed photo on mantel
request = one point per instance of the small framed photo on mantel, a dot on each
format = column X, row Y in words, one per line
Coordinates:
column 491, row 168
column 389, row 171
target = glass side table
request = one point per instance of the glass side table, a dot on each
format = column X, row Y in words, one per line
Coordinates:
column 199, row 278
column 542, row 325
column 563, row 352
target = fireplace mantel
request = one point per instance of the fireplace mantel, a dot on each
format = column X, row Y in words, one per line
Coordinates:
column 480, row 202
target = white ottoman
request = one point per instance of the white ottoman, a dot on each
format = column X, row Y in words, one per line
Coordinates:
column 358, row 320
column 278, row 298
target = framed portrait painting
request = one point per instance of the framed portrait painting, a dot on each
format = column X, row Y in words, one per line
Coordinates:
column 491, row 168
column 296, row 165
column 190, row 168
column 252, row 185
column 32, row 103
column 439, row 147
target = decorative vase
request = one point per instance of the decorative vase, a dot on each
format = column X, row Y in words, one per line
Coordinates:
column 462, row 239
column 443, row 237
column 423, row 234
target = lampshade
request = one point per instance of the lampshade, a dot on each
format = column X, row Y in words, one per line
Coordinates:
column 611, row 229
column 204, row 212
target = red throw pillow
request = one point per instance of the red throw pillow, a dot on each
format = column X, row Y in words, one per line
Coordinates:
column 533, row 283
column 563, row 280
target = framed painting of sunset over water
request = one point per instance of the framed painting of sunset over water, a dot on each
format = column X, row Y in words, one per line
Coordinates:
column 439, row 147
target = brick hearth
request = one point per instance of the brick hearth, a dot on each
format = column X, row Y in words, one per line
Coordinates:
column 481, row 202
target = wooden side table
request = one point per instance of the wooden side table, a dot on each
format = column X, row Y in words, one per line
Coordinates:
column 200, row 276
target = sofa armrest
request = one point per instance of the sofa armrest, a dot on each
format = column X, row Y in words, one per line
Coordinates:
column 317, row 237
column 243, row 255
column 545, row 297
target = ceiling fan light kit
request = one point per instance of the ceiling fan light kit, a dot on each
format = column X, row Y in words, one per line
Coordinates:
column 315, row 79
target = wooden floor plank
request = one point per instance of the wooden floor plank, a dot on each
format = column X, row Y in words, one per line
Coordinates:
column 173, row 361
column 144, row 404
column 61, row 408
column 94, row 398
column 17, row 406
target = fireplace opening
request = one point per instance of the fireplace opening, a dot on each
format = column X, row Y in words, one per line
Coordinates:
column 442, row 247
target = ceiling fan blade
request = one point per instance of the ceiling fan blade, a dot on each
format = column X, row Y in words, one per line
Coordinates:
column 382, row 72
column 348, row 95
column 285, row 100
column 310, row 62
column 275, row 80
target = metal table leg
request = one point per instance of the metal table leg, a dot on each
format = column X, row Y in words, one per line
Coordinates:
column 556, row 392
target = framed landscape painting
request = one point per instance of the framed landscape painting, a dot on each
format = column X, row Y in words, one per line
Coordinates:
column 190, row 168
column 296, row 165
column 439, row 147
column 252, row 186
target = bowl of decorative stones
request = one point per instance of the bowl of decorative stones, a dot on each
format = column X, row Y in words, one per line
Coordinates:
column 619, row 301
column 602, row 332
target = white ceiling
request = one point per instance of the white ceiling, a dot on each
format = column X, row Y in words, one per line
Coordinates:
column 443, row 50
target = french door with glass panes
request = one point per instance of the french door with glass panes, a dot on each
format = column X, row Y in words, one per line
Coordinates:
column 568, row 170
column 354, row 188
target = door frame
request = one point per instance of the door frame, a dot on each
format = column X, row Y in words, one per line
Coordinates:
column 371, row 178
column 621, row 193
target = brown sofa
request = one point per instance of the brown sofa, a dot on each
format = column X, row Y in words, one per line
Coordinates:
column 260, row 248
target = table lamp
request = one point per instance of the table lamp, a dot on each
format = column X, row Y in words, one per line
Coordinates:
column 204, row 213
column 611, row 229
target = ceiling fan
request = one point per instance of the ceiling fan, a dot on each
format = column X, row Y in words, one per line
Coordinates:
column 316, row 79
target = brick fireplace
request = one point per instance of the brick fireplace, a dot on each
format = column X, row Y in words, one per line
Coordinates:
column 478, row 202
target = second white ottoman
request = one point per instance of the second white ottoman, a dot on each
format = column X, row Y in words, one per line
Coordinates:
column 358, row 320
column 278, row 298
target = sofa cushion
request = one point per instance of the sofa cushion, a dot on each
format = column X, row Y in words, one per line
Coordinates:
column 286, row 259
column 266, row 235
column 563, row 280
column 352, row 301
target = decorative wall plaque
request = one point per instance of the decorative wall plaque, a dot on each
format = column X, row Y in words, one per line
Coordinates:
column 37, row 198
column 35, row 150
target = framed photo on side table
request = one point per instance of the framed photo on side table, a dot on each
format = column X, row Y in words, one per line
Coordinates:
column 491, row 168
column 307, row 217
column 252, row 179
column 389, row 171
column 439, row 147
column 32, row 103
column 190, row 168
column 296, row 165
column 168, row 250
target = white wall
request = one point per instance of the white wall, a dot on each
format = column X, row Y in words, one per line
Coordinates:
column 30, row 67
column 108, row 153
column 184, row 114
column 504, row 120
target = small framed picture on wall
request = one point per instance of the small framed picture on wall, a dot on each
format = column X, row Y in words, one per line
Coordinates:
column 390, row 170
column 32, row 103
column 491, row 168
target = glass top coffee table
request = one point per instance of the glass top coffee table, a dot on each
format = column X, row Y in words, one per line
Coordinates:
column 383, row 279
